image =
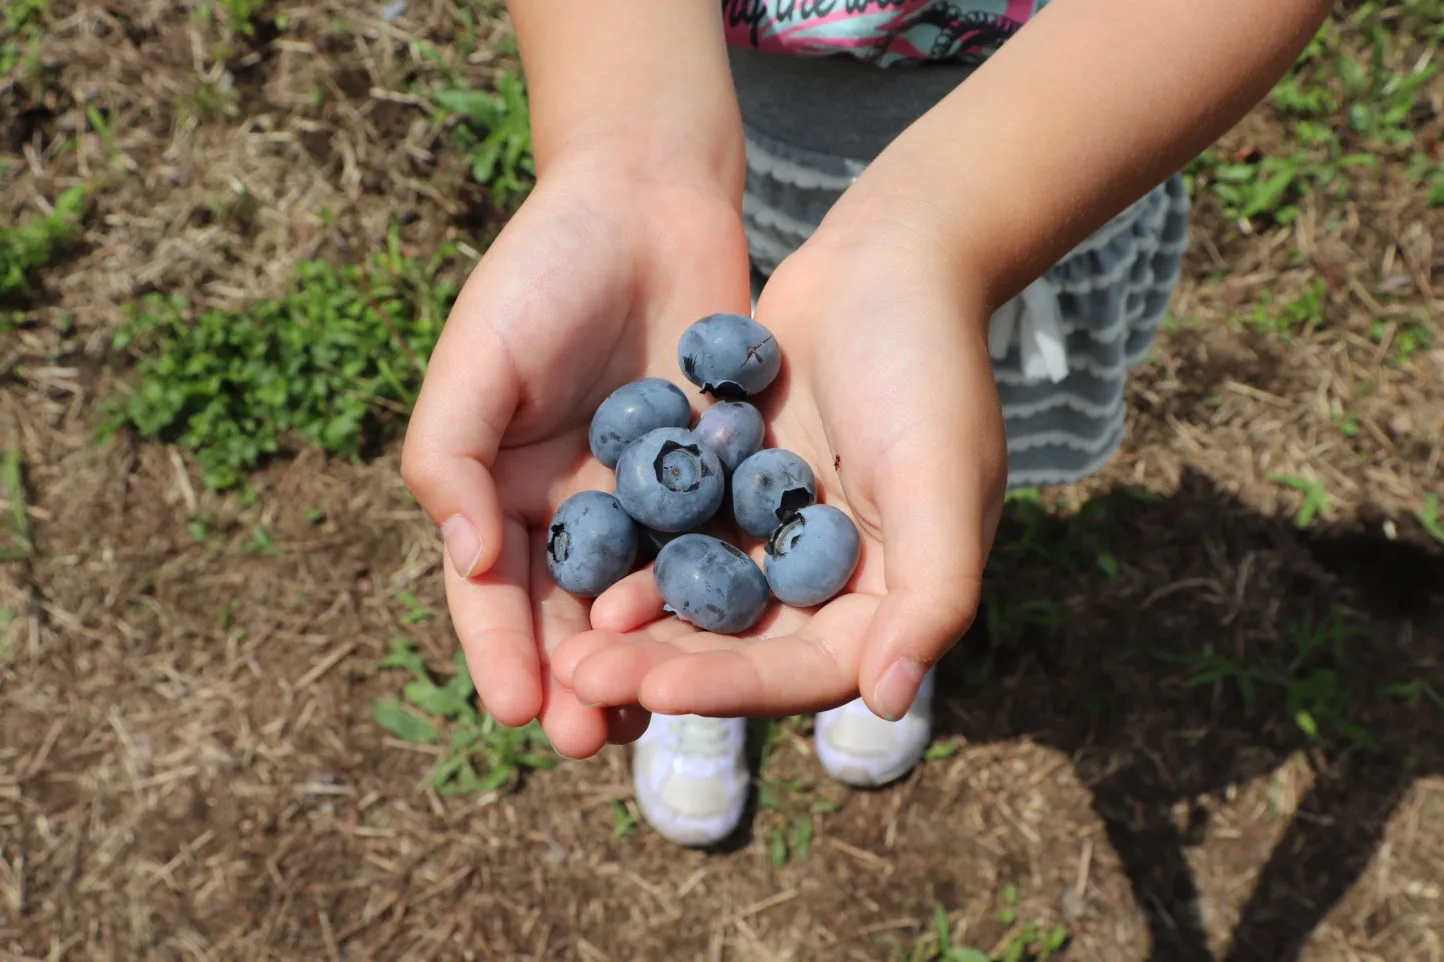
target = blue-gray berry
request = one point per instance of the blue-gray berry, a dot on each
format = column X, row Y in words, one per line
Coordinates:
column 768, row 488
column 733, row 430
column 631, row 411
column 729, row 356
column 711, row 584
column 811, row 557
column 669, row 481
column 592, row 544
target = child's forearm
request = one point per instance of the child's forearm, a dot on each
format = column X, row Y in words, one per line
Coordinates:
column 647, row 82
column 1086, row 109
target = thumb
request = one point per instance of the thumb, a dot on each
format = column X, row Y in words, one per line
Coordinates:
column 939, row 497
column 467, row 399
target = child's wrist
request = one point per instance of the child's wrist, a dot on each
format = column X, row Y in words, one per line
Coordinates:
column 628, row 155
column 893, row 207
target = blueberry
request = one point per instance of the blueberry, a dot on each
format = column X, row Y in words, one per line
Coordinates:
column 811, row 556
column 768, row 488
column 669, row 481
column 729, row 356
column 733, row 430
column 592, row 543
column 631, row 411
column 711, row 584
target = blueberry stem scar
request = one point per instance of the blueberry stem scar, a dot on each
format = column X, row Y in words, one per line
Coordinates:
column 558, row 544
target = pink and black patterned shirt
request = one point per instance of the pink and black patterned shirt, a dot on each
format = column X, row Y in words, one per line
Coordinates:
column 880, row 31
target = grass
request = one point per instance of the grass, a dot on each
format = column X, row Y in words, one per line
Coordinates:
column 789, row 832
column 15, row 543
column 331, row 363
column 1314, row 681
column 494, row 131
column 1315, row 502
column 1026, row 942
column 1297, row 315
column 1350, row 100
column 34, row 241
column 1430, row 518
column 24, row 26
column 480, row 755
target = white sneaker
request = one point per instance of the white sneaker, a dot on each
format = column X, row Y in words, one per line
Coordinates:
column 690, row 775
column 860, row 749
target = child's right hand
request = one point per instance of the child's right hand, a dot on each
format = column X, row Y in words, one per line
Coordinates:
column 588, row 287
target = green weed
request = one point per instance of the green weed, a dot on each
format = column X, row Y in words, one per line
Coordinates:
column 1305, row 312
column 238, row 16
column 415, row 610
column 1430, row 518
column 481, row 755
column 794, row 801
column 15, row 544
column 7, row 618
column 1315, row 501
column 791, row 838
column 1356, row 91
column 494, row 129
column 330, row 363
column 35, row 240
column 262, row 543
column 1030, row 942
column 24, row 26
column 1405, row 338
column 1313, row 681
column 624, row 819
column 1043, row 532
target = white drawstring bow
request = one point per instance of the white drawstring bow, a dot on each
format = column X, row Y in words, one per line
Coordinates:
column 1034, row 321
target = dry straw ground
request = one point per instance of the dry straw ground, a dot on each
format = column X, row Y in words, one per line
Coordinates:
column 189, row 765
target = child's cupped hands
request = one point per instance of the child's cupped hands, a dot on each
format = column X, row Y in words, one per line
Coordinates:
column 588, row 287
column 886, row 390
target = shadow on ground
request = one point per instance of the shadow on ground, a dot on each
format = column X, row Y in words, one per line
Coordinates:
column 1215, row 644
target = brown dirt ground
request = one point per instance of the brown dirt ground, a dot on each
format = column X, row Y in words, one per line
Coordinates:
column 174, row 785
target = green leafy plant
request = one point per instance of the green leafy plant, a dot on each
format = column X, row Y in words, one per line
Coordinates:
column 1029, row 942
column 330, row 363
column 1430, row 519
column 1316, row 497
column 32, row 242
column 1304, row 312
column 495, row 131
column 14, row 543
column 481, row 755
column 1313, row 682
column 1353, row 95
column 23, row 28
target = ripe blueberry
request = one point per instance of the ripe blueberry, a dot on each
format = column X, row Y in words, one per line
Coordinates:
column 768, row 488
column 811, row 556
column 711, row 584
column 631, row 411
column 591, row 545
column 733, row 430
column 729, row 356
column 669, row 481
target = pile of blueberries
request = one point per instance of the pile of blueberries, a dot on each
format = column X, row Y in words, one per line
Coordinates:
column 672, row 480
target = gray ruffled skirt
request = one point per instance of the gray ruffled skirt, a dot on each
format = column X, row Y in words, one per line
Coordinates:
column 1063, row 348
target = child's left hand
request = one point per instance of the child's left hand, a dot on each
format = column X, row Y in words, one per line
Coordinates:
column 888, row 393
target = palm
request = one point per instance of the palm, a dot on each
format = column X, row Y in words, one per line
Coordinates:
column 584, row 291
column 864, row 406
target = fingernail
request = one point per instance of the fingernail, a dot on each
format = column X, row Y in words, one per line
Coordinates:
column 462, row 543
column 897, row 688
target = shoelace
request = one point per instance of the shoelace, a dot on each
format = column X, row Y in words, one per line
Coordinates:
column 696, row 735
